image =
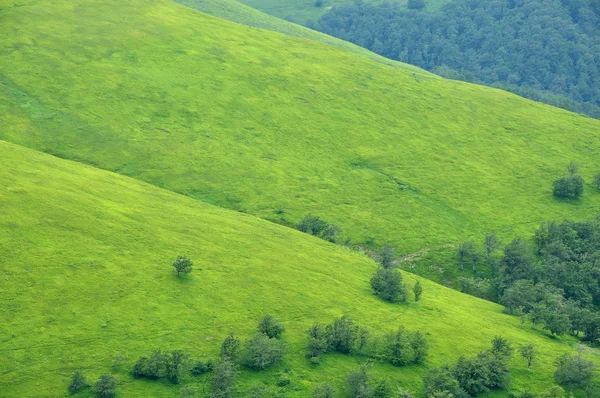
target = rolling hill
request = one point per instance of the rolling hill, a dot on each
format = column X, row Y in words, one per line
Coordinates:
column 279, row 127
column 85, row 276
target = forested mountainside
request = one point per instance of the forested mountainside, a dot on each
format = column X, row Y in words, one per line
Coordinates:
column 546, row 50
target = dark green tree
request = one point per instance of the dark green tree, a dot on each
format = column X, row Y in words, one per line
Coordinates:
column 440, row 382
column 387, row 255
column 324, row 391
column 78, row 382
column 465, row 250
column 596, row 181
column 417, row 290
column 150, row 367
column 260, row 352
column 501, row 346
column 202, row 367
column 173, row 364
column 106, row 386
column 318, row 341
column 270, row 326
column 574, row 371
column 491, row 244
column 397, row 348
column 357, row 383
column 182, row 265
column 223, row 379
column 420, row 347
column 230, row 349
column 528, row 352
column 342, row 335
column 387, row 285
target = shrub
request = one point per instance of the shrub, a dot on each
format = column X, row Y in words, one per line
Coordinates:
column 387, row 285
column 568, row 187
column 202, row 367
column 397, row 349
column 271, row 327
column 150, row 368
column 387, row 255
column 106, row 386
column 418, row 290
column 262, row 351
column 173, row 364
column 314, row 225
column 230, row 348
column 78, row 382
column 317, row 342
column 596, row 181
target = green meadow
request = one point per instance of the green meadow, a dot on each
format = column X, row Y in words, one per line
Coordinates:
column 278, row 126
column 86, row 277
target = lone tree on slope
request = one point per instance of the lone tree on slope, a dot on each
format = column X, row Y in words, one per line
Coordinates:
column 182, row 265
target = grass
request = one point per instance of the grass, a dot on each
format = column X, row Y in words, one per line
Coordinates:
column 300, row 11
column 278, row 126
column 237, row 12
column 86, row 276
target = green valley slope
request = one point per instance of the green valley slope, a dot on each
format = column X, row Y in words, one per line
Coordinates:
column 237, row 12
column 85, row 275
column 278, row 126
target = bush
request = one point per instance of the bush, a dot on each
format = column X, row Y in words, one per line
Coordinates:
column 387, row 285
column 317, row 342
column 150, row 368
column 342, row 334
column 173, row 364
column 78, row 382
column 387, row 256
column 319, row 3
column 271, row 327
column 262, row 351
column 106, row 386
column 201, row 367
column 596, row 181
column 314, row 225
column 568, row 187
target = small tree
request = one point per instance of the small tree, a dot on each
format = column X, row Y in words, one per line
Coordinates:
column 569, row 186
column 317, row 341
column 387, row 285
column 596, row 181
column 230, row 348
column 106, row 386
column 223, row 380
column 491, row 243
column 501, row 347
column 262, row 351
column 270, row 326
column 387, row 256
column 182, row 265
column 417, row 290
column 574, row 371
column 78, row 382
column 419, row 346
column 342, row 335
column 465, row 250
column 528, row 352
column 173, row 364
column 324, row 391
column 554, row 392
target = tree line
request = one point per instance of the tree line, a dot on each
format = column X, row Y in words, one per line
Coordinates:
column 546, row 50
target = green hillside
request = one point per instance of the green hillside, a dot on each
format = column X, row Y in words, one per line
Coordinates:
column 85, row 259
column 237, row 12
column 279, row 127
column 301, row 11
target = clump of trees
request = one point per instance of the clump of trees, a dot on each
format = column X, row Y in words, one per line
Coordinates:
column 270, row 326
column 262, row 351
column 399, row 347
column 570, row 185
column 160, row 365
column 470, row 376
column 316, row 226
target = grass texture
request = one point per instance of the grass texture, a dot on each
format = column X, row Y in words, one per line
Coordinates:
column 85, row 276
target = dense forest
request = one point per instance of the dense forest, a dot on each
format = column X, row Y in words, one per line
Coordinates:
column 546, row 50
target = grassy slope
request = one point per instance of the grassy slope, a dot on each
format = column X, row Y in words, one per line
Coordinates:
column 269, row 124
column 82, row 248
column 237, row 12
column 301, row 11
